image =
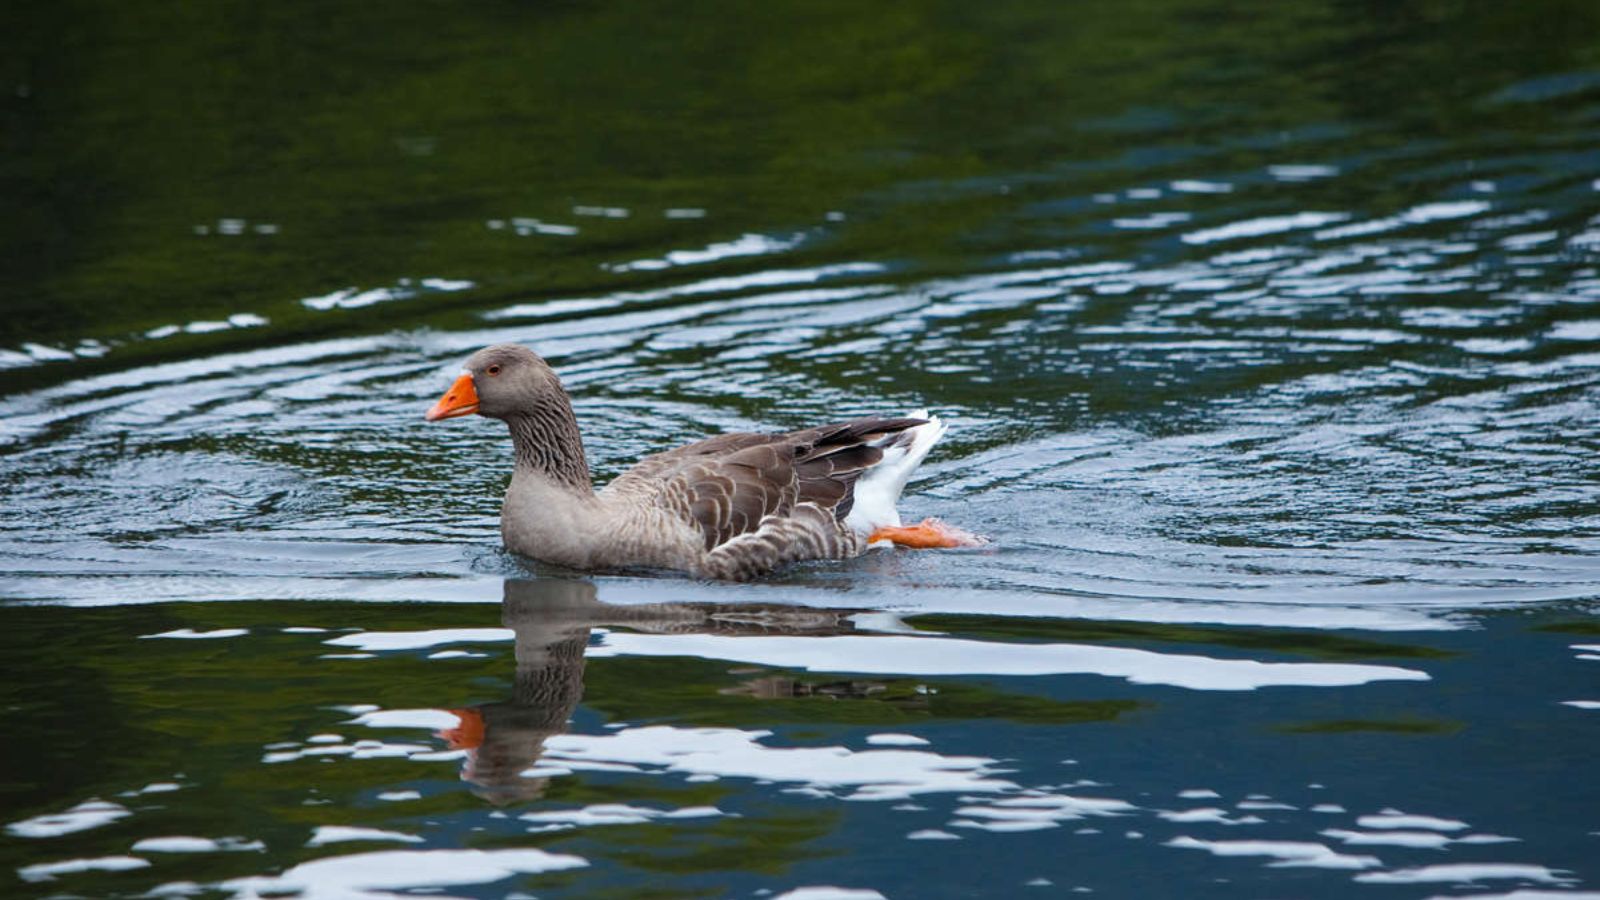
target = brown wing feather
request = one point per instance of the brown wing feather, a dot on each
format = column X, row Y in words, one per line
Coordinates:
column 730, row 495
column 663, row 464
column 829, row 479
column 728, row 484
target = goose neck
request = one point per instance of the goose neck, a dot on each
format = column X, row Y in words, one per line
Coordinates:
column 547, row 444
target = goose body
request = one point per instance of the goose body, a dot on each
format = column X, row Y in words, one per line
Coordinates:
column 734, row 506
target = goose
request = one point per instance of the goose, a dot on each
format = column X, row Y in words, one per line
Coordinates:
column 732, row 507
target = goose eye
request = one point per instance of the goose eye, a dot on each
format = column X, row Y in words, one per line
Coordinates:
column 493, row 370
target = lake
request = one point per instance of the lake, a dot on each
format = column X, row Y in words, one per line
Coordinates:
column 1269, row 341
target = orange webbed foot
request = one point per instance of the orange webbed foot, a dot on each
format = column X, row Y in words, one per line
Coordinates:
column 927, row 534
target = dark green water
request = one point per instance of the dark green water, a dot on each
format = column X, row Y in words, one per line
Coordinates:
column 1269, row 338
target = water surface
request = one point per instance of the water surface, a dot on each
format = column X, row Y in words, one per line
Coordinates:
column 1269, row 346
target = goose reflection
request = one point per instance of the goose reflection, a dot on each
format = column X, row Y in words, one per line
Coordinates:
column 552, row 620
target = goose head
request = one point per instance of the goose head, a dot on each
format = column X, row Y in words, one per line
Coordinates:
column 499, row 382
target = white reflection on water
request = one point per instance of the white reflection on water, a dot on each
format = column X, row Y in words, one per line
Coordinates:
column 363, row 749
column 1427, row 839
column 433, row 719
column 616, row 814
column 1457, row 873
column 237, row 320
column 1301, row 172
column 1263, row 226
column 829, row 892
column 930, row 655
column 49, row 871
column 1524, row 894
column 734, row 753
column 183, row 843
column 156, row 787
column 1417, row 215
column 404, row 289
column 746, row 245
column 1393, row 818
column 1207, row 814
column 337, row 834
column 1035, row 811
column 890, row 739
column 372, row 875
column 893, row 654
column 1287, row 854
column 416, row 640
column 86, row 815
column 724, row 284
column 191, row 634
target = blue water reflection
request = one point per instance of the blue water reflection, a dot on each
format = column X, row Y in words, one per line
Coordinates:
column 571, row 742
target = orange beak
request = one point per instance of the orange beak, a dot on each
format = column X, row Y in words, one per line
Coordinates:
column 460, row 400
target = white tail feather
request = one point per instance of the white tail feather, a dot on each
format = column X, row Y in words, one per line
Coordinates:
column 878, row 490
